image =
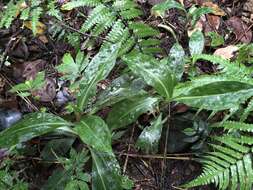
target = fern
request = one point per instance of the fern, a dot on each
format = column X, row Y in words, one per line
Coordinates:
column 80, row 3
column 247, row 111
column 53, row 11
column 229, row 166
column 228, row 68
column 116, row 18
column 9, row 14
column 35, row 16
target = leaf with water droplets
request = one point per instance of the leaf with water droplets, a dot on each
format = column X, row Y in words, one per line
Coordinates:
column 94, row 132
column 154, row 73
column 105, row 172
column 32, row 125
column 213, row 93
column 177, row 60
column 128, row 110
column 196, row 43
column 150, row 136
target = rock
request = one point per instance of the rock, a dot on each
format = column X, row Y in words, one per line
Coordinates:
column 62, row 97
column 8, row 118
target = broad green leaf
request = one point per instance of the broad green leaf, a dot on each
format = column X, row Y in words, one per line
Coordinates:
column 39, row 81
column 216, row 39
column 105, row 172
column 32, row 125
column 154, row 73
column 177, row 60
column 196, row 43
column 82, row 61
column 128, row 110
column 94, row 132
column 121, row 88
column 21, row 87
column 161, row 8
column 213, row 93
column 88, row 90
column 106, row 57
column 68, row 67
column 150, row 136
column 28, row 85
column 196, row 13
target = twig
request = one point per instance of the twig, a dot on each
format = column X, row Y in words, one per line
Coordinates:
column 24, row 98
column 128, row 149
column 165, row 149
column 82, row 33
column 155, row 156
column 243, row 34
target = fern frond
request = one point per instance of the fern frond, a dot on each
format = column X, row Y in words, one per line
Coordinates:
column 117, row 32
column 105, row 23
column 35, row 16
column 10, row 13
column 127, row 46
column 127, row 9
column 227, row 67
column 142, row 30
column 80, row 3
column 99, row 13
column 247, row 111
column 53, row 11
column 239, row 126
column 229, row 166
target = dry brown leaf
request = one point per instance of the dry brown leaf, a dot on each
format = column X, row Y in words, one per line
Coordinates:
column 226, row 52
column 240, row 29
column 48, row 92
column 43, row 38
column 213, row 21
column 40, row 28
column 198, row 26
column 182, row 2
column 216, row 9
column 31, row 68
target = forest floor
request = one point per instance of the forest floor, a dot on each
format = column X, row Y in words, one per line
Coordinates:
column 28, row 54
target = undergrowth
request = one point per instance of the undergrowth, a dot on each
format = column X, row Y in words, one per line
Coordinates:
column 149, row 84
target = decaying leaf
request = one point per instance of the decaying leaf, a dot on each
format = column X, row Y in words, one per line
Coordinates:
column 31, row 68
column 226, row 52
column 213, row 21
column 40, row 28
column 216, row 9
column 240, row 29
column 48, row 92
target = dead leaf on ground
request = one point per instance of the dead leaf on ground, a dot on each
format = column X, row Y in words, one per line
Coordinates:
column 43, row 38
column 154, row 2
column 198, row 26
column 182, row 2
column 226, row 52
column 31, row 68
column 209, row 23
column 213, row 21
column 48, row 92
column 240, row 29
column 216, row 9
column 40, row 28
